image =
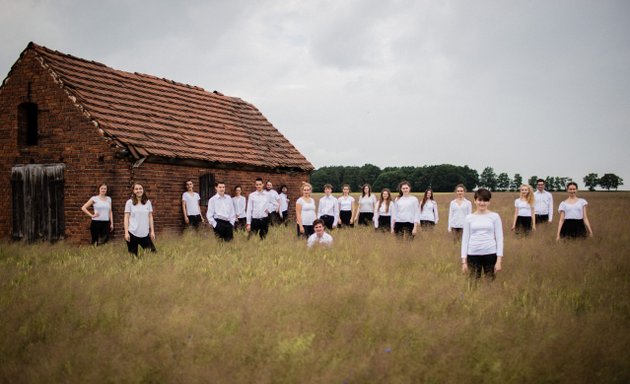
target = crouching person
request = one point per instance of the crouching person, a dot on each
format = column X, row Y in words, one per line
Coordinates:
column 221, row 213
column 320, row 236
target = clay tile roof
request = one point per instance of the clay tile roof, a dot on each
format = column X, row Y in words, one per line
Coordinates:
column 161, row 117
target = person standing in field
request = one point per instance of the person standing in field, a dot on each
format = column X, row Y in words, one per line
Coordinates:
column 284, row 204
column 257, row 211
column 428, row 210
column 305, row 212
column 274, row 203
column 190, row 206
column 459, row 208
column 347, row 207
column 482, row 239
column 328, row 208
column 319, row 237
column 221, row 214
column 240, row 207
column 367, row 203
column 573, row 221
column 524, row 211
column 543, row 203
column 138, row 221
column 406, row 213
column 102, row 218
column 384, row 211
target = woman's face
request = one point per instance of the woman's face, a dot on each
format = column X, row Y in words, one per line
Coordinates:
column 346, row 190
column 284, row 190
column 306, row 191
column 189, row 185
column 238, row 191
column 482, row 205
column 385, row 195
column 460, row 192
column 524, row 191
column 102, row 190
column 405, row 189
column 429, row 194
column 138, row 190
column 366, row 189
column 572, row 189
column 327, row 191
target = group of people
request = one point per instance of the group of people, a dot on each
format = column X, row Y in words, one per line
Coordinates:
column 480, row 231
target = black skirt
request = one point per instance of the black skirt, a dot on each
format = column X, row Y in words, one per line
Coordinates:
column 573, row 228
column 523, row 224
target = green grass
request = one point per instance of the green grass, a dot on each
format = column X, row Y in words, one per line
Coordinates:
column 370, row 309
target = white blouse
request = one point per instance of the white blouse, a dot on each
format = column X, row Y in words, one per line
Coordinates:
column 429, row 212
column 573, row 211
column 524, row 209
column 483, row 235
column 457, row 213
column 102, row 207
column 308, row 210
column 345, row 203
column 192, row 203
column 407, row 209
column 367, row 203
column 139, row 218
column 240, row 205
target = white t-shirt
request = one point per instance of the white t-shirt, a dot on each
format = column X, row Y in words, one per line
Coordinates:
column 284, row 202
column 308, row 211
column 429, row 211
column 313, row 239
column 102, row 207
column 139, row 217
column 524, row 209
column 367, row 203
column 345, row 203
column 407, row 209
column 483, row 235
column 573, row 211
column 192, row 203
column 457, row 213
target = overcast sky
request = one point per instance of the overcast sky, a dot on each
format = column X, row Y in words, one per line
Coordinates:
column 530, row 87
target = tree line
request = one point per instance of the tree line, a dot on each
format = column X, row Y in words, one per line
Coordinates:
column 441, row 178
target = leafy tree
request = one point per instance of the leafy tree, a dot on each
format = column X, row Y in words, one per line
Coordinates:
column 368, row 174
column 388, row 179
column 503, row 181
column 488, row 179
column 610, row 180
column 532, row 181
column 516, row 182
column 591, row 181
column 550, row 182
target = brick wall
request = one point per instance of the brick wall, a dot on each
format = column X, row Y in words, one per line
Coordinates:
column 66, row 136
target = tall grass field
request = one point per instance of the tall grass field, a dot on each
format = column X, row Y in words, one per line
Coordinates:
column 371, row 309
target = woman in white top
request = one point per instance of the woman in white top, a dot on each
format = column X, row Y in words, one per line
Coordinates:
column 524, row 211
column 384, row 211
column 367, row 203
column 102, row 218
column 284, row 204
column 240, row 206
column 406, row 212
column 459, row 208
column 428, row 210
column 347, row 208
column 190, row 206
column 139, row 229
column 573, row 218
column 482, row 241
column 305, row 212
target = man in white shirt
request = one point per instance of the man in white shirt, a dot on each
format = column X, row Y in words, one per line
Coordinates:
column 328, row 209
column 543, row 205
column 274, row 203
column 221, row 213
column 320, row 237
column 258, row 211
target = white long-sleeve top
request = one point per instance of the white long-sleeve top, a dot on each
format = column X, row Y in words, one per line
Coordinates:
column 313, row 239
column 573, row 211
column 384, row 211
column 429, row 211
column 367, row 203
column 284, row 202
column 457, row 213
column 257, row 206
column 307, row 210
column 544, row 203
column 328, row 205
column 272, row 195
column 524, row 209
column 240, row 206
column 220, row 207
column 407, row 210
column 483, row 235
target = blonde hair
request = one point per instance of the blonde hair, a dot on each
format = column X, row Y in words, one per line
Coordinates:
column 304, row 185
column 530, row 194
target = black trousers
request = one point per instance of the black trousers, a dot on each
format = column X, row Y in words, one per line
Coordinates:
column 224, row 230
column 542, row 219
column 477, row 263
column 308, row 230
column 384, row 223
column 365, row 218
column 401, row 228
column 523, row 224
column 145, row 242
column 240, row 223
column 99, row 231
column 194, row 220
column 260, row 226
column 274, row 218
column 328, row 221
column 427, row 223
column 285, row 217
column 345, row 217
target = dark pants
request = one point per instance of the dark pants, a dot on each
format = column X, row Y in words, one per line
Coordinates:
column 345, row 217
column 194, row 221
column 542, row 219
column 427, row 223
column 99, row 231
column 401, row 228
column 274, row 218
column 457, row 233
column 145, row 242
column 385, row 223
column 523, row 224
column 477, row 263
column 240, row 223
column 365, row 218
column 308, row 230
column 285, row 217
column 224, row 230
column 260, row 226
column 328, row 221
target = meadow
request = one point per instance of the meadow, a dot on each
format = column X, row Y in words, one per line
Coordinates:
column 371, row 309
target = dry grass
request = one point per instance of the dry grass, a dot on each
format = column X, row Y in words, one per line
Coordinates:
column 371, row 309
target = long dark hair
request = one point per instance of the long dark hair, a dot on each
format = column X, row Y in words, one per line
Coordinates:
column 134, row 198
column 369, row 190
column 424, row 199
column 400, row 185
column 387, row 201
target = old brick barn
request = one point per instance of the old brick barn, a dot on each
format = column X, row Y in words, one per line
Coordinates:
column 68, row 124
